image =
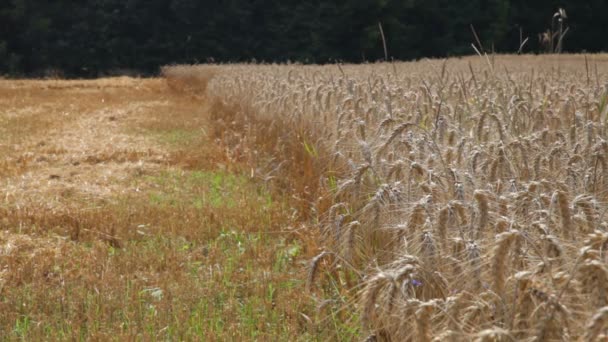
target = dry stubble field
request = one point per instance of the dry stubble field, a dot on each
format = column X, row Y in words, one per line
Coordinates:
column 122, row 219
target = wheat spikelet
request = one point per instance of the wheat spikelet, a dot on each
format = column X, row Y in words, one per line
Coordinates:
column 525, row 304
column 370, row 295
column 565, row 213
column 396, row 132
column 314, row 267
column 481, row 199
column 366, row 152
column 553, row 248
column 507, row 169
column 550, row 327
column 460, row 151
column 459, row 191
column 416, row 218
column 590, row 133
column 344, row 187
column 454, row 305
column 586, row 204
column 359, row 173
column 351, row 229
column 442, row 224
column 577, row 158
column 553, row 155
column 460, row 210
column 426, row 187
column 598, row 240
column 335, row 208
column 423, row 317
column 418, row 169
column 479, row 313
column 525, row 172
column 449, row 155
column 428, row 249
column 503, row 206
column 480, row 125
column 396, row 170
column 499, row 259
column 494, row 166
column 385, row 124
column 451, row 137
column 502, row 225
column 501, row 134
column 361, row 128
column 537, row 165
column 474, row 258
column 337, row 233
column 600, row 160
column 474, row 160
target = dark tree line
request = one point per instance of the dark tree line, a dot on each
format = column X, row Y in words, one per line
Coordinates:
column 93, row 37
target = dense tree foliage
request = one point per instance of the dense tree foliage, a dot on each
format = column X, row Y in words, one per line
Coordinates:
column 89, row 38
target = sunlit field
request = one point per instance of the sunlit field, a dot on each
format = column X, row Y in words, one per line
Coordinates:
column 438, row 200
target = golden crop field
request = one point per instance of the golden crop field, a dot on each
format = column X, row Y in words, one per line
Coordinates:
column 455, row 199
column 438, row 200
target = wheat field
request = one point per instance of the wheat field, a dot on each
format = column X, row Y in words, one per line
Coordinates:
column 458, row 199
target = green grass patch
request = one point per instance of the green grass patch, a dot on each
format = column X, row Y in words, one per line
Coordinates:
column 179, row 137
column 217, row 189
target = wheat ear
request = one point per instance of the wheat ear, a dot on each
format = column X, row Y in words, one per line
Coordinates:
column 499, row 259
column 565, row 214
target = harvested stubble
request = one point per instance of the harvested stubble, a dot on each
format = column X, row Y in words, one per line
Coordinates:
column 470, row 197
